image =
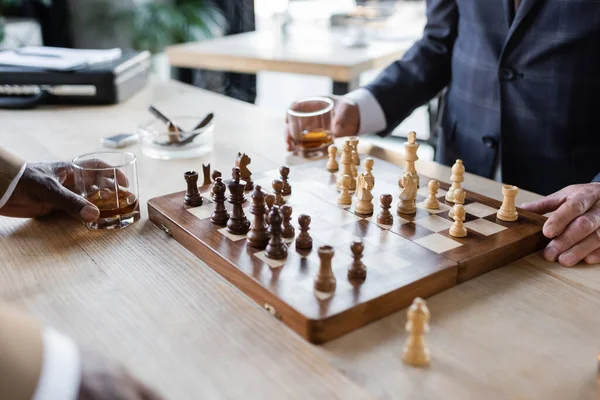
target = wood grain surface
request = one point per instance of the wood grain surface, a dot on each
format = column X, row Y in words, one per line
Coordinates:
column 526, row 331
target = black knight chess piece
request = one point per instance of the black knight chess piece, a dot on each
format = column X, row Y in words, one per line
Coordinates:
column 276, row 249
column 242, row 163
column 238, row 224
column 258, row 236
column 219, row 216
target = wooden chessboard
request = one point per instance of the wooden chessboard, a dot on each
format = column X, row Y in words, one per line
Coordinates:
column 416, row 256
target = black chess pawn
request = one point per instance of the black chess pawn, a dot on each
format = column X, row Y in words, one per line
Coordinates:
column 258, row 236
column 287, row 188
column 238, row 224
column 357, row 270
column 304, row 241
column 219, row 216
column 192, row 194
column 269, row 202
column 216, row 174
column 385, row 217
column 276, row 249
column 278, row 189
column 288, row 229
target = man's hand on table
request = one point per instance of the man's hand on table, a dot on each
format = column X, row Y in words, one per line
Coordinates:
column 102, row 379
column 47, row 187
column 574, row 225
column 344, row 122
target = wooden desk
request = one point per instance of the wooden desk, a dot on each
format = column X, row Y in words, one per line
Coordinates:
column 308, row 50
column 526, row 331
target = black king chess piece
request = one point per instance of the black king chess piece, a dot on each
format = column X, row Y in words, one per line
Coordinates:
column 276, row 249
column 238, row 224
column 220, row 216
column 259, row 234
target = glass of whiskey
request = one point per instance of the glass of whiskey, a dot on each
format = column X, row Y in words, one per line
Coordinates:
column 108, row 179
column 309, row 125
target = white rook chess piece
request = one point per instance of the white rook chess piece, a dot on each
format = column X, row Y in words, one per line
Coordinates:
column 415, row 350
column 458, row 176
column 508, row 210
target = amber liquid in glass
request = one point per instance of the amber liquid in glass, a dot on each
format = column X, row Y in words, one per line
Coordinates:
column 113, row 205
column 314, row 141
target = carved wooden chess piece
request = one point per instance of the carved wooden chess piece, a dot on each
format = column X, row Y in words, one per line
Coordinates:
column 269, row 202
column 174, row 136
column 508, row 210
column 345, row 199
column 457, row 177
column 192, row 194
column 206, row 172
column 215, row 174
column 357, row 270
column 242, row 161
column 278, row 189
column 385, row 217
column 238, row 224
column 364, row 198
column 258, row 236
column 354, row 143
column 219, row 216
column 410, row 155
column 415, row 350
column 276, row 249
column 287, row 188
column 408, row 196
column 459, row 198
column 368, row 166
column 304, row 241
column 325, row 281
column 346, row 167
column 431, row 201
column 288, row 230
column 332, row 164
column 458, row 228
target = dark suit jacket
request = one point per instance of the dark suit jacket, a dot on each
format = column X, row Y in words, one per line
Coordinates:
column 528, row 86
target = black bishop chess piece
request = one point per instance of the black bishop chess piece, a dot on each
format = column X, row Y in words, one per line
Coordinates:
column 276, row 249
column 258, row 236
column 238, row 224
column 304, row 240
column 219, row 216
column 192, row 194
column 285, row 173
column 288, row 229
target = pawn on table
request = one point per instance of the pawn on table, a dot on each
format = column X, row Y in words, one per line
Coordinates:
column 325, row 281
column 415, row 350
column 288, row 229
column 304, row 240
column 192, row 194
column 508, row 210
column 345, row 199
column 357, row 270
column 431, row 201
column 332, row 164
column 385, row 217
column 459, row 198
column 458, row 228
column 287, row 188
column 277, row 185
column 276, row 249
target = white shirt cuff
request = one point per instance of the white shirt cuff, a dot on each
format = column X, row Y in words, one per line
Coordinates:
column 12, row 186
column 372, row 118
column 61, row 368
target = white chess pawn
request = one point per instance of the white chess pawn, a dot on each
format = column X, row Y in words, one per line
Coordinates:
column 431, row 201
column 415, row 349
column 345, row 199
column 354, row 143
column 332, row 164
column 368, row 166
column 458, row 227
column 458, row 176
column 459, row 198
column 508, row 210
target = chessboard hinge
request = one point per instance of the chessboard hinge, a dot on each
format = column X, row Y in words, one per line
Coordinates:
column 166, row 230
column 273, row 311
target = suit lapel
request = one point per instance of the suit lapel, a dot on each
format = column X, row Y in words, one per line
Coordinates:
column 508, row 11
column 526, row 7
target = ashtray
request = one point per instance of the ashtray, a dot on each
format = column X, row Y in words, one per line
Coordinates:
column 158, row 142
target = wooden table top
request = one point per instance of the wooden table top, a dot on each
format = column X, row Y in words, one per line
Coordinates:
column 308, row 50
column 525, row 331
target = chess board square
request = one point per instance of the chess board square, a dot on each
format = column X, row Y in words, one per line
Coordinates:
column 484, row 227
column 480, row 210
column 271, row 263
column 339, row 217
column 443, row 207
column 386, row 263
column 386, row 240
column 434, row 223
column 230, row 236
column 397, row 221
column 424, row 191
column 341, row 285
column 438, row 243
column 335, row 237
column 202, row 212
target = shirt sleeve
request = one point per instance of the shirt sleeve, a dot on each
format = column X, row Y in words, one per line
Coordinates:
column 61, row 368
column 372, row 118
column 11, row 187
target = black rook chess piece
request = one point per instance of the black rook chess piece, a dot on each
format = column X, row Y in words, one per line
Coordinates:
column 219, row 216
column 276, row 249
column 259, row 235
column 192, row 195
column 238, row 224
